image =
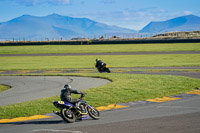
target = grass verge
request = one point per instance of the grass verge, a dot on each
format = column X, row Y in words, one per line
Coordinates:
column 65, row 62
column 43, row 49
column 123, row 89
column 4, row 87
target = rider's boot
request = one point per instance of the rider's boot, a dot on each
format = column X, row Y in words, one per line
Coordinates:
column 56, row 112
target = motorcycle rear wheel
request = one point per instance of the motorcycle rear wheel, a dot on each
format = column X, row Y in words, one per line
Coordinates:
column 68, row 115
column 94, row 113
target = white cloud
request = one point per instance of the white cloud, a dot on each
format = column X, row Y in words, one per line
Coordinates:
column 37, row 2
column 28, row 2
column 187, row 12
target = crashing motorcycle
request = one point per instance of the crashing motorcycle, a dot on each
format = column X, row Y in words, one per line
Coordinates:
column 70, row 113
column 103, row 68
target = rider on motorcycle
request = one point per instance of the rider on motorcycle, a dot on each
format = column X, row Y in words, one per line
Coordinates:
column 99, row 63
column 66, row 96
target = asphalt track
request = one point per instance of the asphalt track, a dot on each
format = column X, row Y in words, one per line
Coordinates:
column 27, row 88
column 179, row 116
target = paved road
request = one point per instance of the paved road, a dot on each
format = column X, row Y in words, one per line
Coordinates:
column 27, row 88
column 175, row 73
column 180, row 116
column 174, row 116
column 171, row 71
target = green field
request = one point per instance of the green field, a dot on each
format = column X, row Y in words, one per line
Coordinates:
column 99, row 48
column 124, row 88
column 66, row 62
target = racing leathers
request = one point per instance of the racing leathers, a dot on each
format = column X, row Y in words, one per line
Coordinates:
column 99, row 64
column 66, row 96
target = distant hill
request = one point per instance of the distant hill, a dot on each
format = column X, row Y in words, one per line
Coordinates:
column 178, row 35
column 55, row 26
column 184, row 23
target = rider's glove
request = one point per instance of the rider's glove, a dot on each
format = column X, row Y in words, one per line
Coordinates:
column 82, row 94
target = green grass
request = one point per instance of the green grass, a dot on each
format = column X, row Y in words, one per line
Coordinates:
column 99, row 48
column 118, row 70
column 123, row 89
column 64, row 62
column 4, row 87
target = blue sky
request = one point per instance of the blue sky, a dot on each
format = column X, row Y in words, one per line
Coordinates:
column 133, row 14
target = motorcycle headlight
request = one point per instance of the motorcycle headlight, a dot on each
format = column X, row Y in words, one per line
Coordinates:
column 107, row 66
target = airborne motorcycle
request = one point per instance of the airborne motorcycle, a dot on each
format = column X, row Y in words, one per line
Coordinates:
column 69, row 113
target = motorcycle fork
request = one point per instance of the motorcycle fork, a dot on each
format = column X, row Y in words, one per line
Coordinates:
column 81, row 113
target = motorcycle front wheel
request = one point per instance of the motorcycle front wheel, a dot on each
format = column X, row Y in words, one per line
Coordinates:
column 94, row 113
column 68, row 115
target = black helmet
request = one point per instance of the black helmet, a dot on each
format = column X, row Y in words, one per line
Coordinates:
column 67, row 86
column 97, row 59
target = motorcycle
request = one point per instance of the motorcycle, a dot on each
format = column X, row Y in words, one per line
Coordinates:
column 103, row 68
column 70, row 113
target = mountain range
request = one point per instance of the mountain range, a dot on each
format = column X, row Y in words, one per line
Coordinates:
column 183, row 23
column 57, row 27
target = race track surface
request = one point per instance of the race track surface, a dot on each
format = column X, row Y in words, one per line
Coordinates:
column 179, row 116
column 27, row 88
